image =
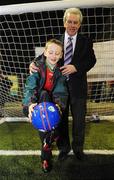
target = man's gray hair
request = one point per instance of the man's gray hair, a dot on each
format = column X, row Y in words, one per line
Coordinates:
column 75, row 11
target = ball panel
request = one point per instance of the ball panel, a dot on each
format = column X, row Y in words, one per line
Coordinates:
column 45, row 116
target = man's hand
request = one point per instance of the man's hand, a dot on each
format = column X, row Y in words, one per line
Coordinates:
column 68, row 69
column 33, row 68
column 31, row 109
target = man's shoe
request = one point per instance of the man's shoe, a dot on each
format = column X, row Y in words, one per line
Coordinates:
column 63, row 155
column 79, row 155
column 46, row 166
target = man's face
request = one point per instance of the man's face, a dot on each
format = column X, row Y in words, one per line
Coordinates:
column 72, row 24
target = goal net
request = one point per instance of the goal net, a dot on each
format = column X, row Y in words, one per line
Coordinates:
column 24, row 30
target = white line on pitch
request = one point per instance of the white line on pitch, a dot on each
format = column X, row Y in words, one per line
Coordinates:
column 37, row 152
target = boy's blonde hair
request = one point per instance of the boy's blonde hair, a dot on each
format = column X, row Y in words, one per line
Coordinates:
column 55, row 41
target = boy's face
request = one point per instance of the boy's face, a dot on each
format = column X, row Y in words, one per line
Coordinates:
column 53, row 53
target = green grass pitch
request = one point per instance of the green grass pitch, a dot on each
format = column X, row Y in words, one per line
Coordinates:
column 22, row 136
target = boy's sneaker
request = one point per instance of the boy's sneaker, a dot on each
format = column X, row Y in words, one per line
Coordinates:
column 46, row 166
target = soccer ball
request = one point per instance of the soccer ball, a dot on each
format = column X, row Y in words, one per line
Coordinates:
column 45, row 116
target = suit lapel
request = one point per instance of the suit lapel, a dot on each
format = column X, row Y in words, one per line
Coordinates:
column 77, row 49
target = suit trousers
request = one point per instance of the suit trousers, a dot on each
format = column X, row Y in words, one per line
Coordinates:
column 78, row 113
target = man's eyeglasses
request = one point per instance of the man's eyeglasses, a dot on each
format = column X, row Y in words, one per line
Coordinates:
column 72, row 22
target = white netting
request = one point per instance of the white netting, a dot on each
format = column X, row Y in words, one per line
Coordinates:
column 26, row 27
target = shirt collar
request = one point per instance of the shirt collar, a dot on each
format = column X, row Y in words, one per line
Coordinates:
column 73, row 40
column 66, row 36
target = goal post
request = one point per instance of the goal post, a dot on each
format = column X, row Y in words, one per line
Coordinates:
column 25, row 28
column 50, row 6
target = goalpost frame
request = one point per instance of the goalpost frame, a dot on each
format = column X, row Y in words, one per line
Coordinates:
column 52, row 5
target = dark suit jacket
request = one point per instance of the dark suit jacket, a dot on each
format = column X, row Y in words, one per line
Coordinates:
column 83, row 59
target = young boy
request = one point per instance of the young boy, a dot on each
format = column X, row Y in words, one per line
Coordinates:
column 46, row 85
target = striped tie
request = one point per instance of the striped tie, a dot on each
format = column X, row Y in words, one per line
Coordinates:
column 69, row 51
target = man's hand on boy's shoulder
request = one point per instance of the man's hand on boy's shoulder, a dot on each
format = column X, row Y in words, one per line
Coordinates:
column 34, row 65
column 33, row 68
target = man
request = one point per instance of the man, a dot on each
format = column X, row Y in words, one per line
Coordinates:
column 82, row 60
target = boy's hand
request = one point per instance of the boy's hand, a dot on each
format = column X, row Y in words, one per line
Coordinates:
column 33, row 68
column 31, row 109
